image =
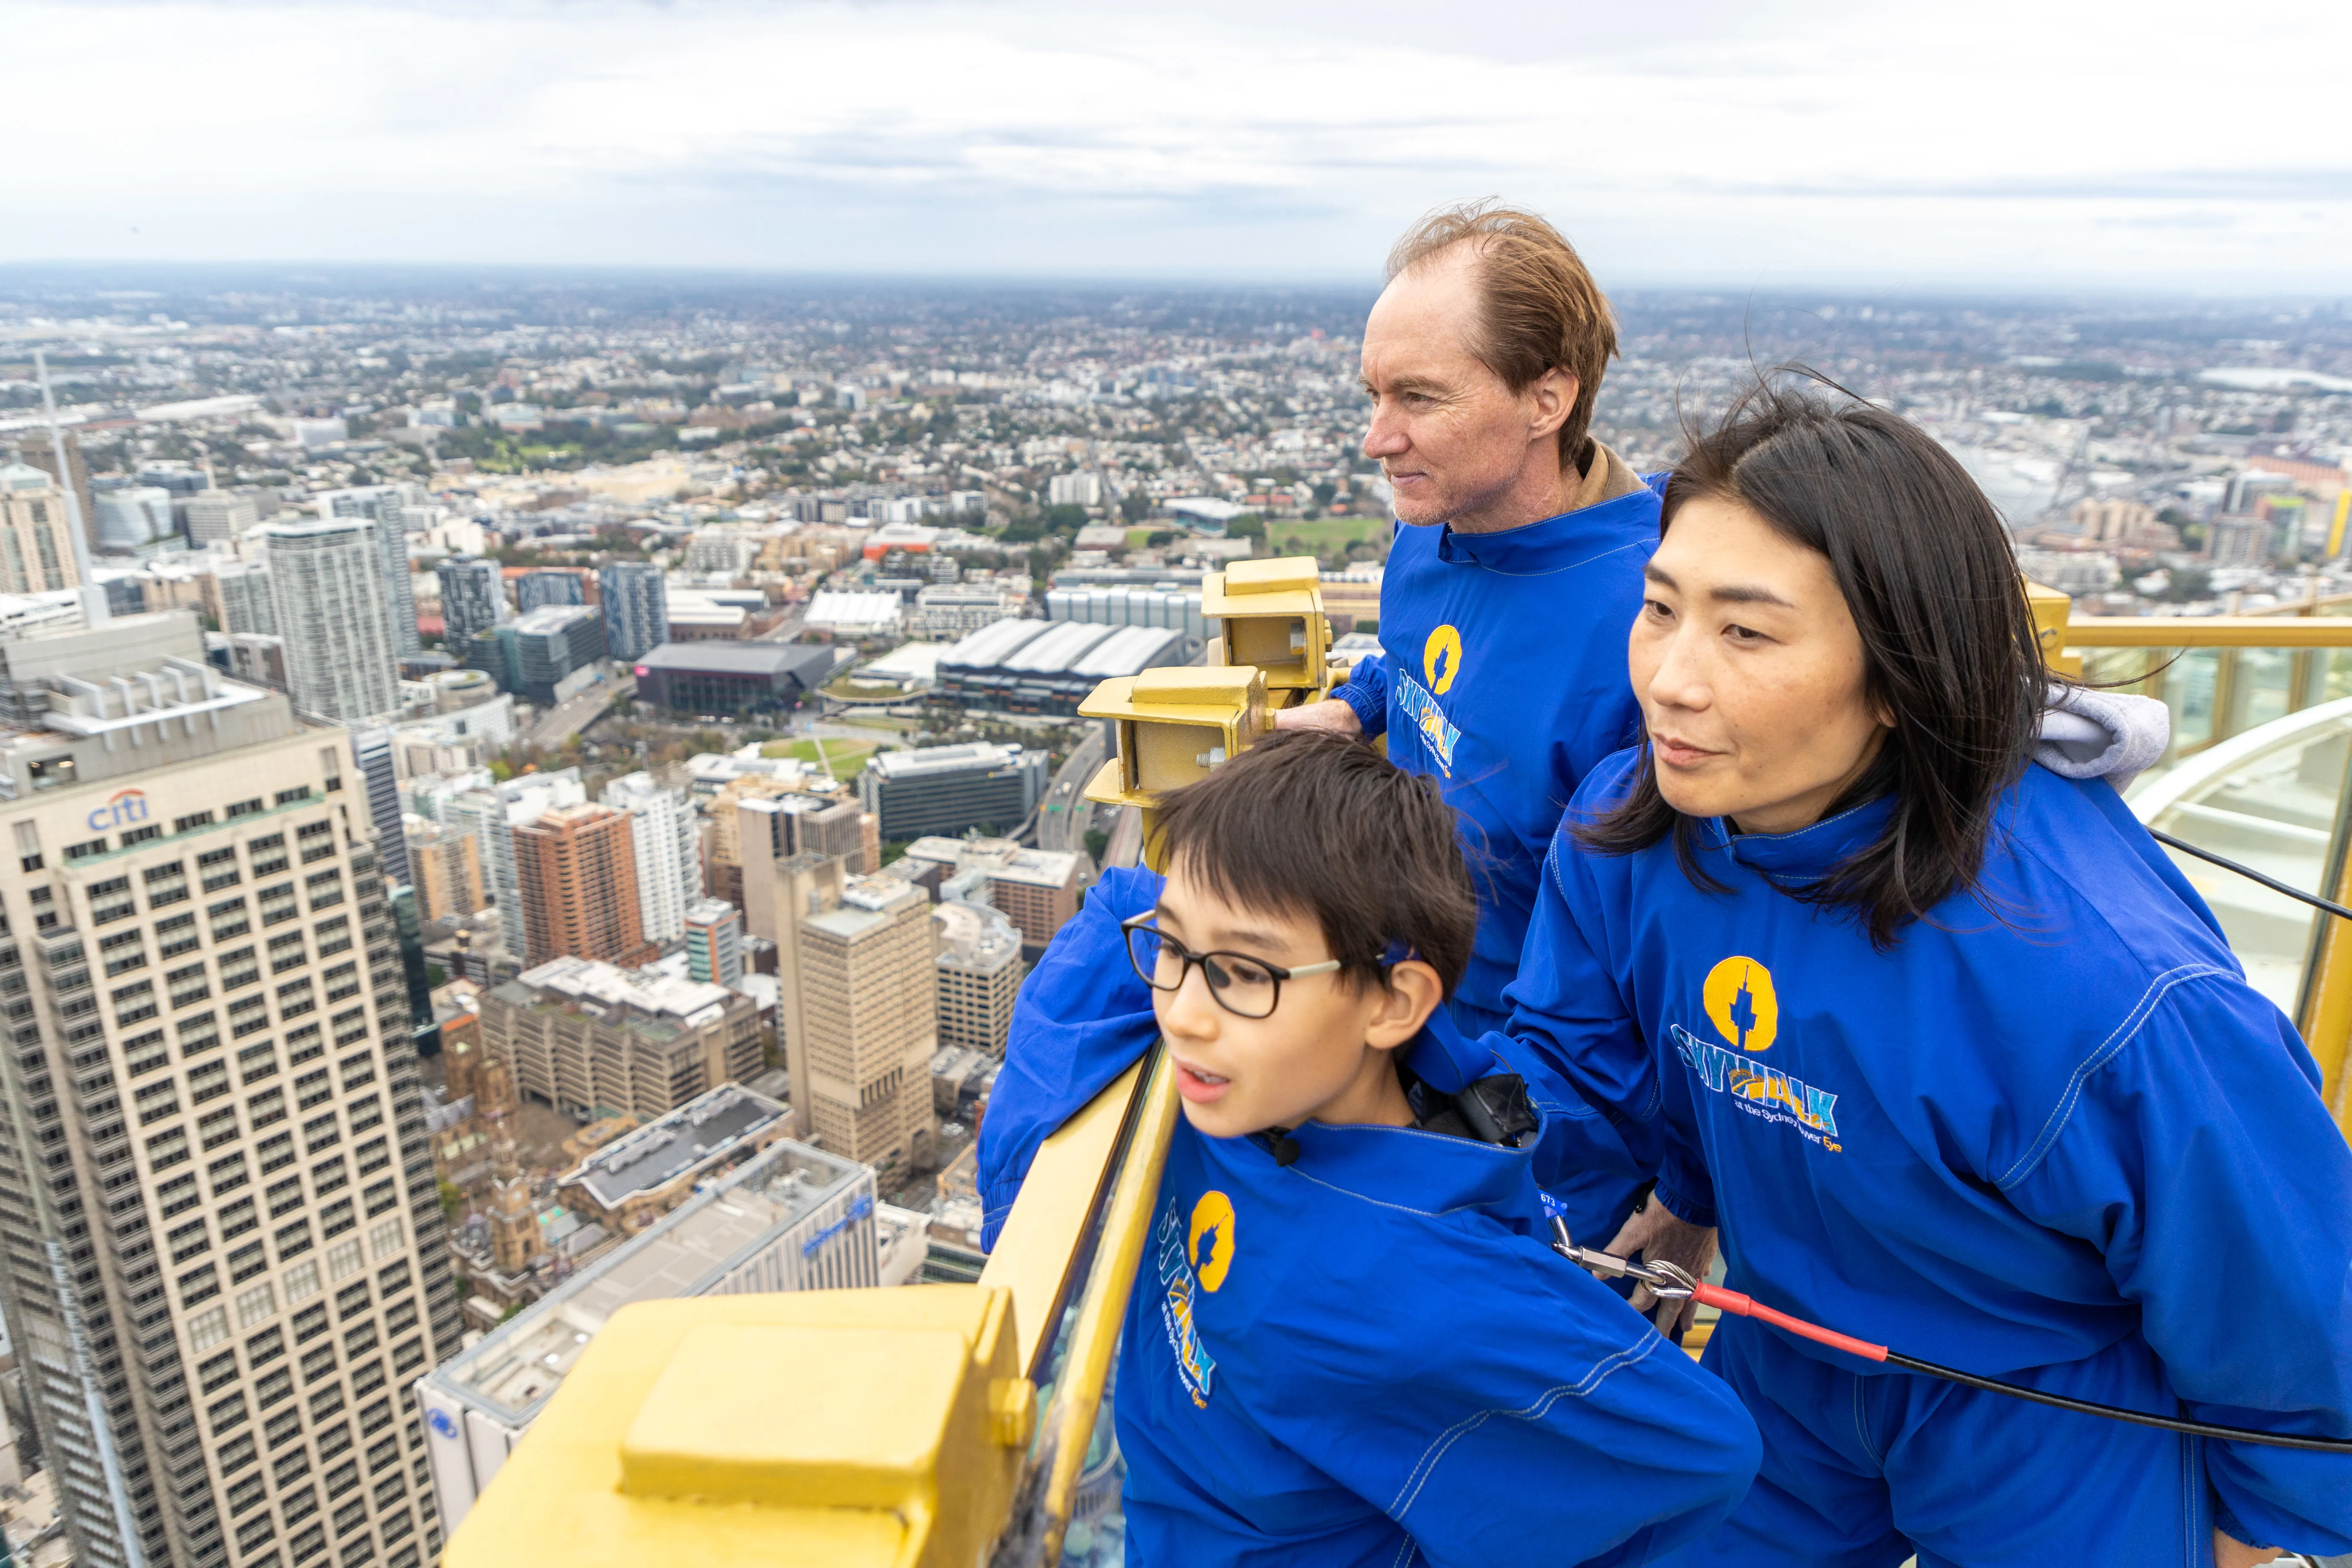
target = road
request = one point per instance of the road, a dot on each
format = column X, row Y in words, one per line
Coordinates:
column 1063, row 817
column 786, row 629
column 568, row 718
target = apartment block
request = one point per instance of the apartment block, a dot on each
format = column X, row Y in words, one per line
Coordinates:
column 221, row 1249
column 714, row 943
column 326, row 585
column 668, row 848
column 37, row 553
column 576, row 869
column 447, row 864
column 582, row 1035
column 860, row 1004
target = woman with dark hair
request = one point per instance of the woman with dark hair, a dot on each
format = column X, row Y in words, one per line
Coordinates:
column 1948, row 1048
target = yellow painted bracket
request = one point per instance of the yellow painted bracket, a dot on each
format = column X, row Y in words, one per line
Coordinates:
column 1174, row 725
column 1270, row 615
column 820, row 1429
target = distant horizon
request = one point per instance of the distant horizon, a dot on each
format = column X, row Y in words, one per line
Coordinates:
column 294, row 272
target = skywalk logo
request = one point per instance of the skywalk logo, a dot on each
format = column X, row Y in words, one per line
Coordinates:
column 1740, row 1002
column 1181, row 1252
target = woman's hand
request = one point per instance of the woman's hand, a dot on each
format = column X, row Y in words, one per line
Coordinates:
column 1656, row 1232
column 2231, row 1553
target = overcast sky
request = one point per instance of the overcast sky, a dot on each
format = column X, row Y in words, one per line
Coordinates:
column 1747, row 144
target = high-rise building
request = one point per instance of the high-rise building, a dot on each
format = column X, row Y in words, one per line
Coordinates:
column 714, row 943
column 858, row 998
column 794, row 1218
column 772, row 830
column 669, row 853
column 241, row 589
column 576, row 868
column 372, row 744
column 473, row 597
column 979, row 975
column 224, row 1259
column 382, row 506
column 637, row 608
column 492, row 812
column 216, row 517
column 447, row 866
column 326, row 581
column 1038, row 889
column 37, row 554
column 581, row 1035
column 37, row 449
column 550, row 585
column 947, row 789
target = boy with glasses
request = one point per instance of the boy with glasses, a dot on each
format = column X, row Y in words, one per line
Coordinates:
column 1349, row 1342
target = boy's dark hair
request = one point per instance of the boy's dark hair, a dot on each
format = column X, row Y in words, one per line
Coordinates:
column 1310, row 822
column 1947, row 639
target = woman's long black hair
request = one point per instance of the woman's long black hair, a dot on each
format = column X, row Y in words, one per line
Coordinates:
column 1947, row 639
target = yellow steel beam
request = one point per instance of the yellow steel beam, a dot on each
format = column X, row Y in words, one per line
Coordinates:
column 2210, row 631
column 1038, row 1246
column 815, row 1429
column 1077, row 1395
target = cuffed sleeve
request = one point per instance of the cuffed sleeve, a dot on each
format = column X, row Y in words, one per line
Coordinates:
column 1367, row 693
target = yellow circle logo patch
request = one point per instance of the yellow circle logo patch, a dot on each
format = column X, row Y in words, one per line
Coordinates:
column 1740, row 1004
column 1211, row 1245
column 1441, row 658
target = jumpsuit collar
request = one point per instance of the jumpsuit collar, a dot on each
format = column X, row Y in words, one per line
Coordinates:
column 1808, row 853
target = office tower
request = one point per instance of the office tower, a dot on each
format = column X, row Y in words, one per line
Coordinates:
column 714, row 943
column 326, row 583
column 135, row 519
column 947, row 789
column 772, row 830
column 492, row 812
column 860, row 1009
column 447, row 866
column 225, row 1258
column 216, row 517
column 581, row 1035
column 635, row 606
column 979, row 975
column 380, row 784
column 380, row 506
column 241, row 589
column 36, row 449
column 473, row 598
column 796, row 1218
column 576, row 868
column 533, row 654
column 35, row 553
column 1038, row 889
column 668, row 850
column 549, row 585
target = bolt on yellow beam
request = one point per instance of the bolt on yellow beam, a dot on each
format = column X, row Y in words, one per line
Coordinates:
column 818, row 1430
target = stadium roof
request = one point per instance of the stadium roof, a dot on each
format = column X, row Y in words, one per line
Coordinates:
column 1128, row 650
column 1059, row 648
column 993, row 643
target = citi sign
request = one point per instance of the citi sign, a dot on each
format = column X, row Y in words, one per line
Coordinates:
column 124, row 809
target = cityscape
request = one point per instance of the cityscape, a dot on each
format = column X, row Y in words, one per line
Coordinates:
column 637, row 721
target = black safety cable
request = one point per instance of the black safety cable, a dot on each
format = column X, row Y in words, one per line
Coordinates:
column 2272, row 883
column 2118, row 1412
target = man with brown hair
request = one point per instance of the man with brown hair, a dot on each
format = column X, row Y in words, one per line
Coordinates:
column 1516, row 569
column 1512, row 580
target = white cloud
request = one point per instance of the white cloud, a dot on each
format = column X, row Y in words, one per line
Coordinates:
column 1731, row 144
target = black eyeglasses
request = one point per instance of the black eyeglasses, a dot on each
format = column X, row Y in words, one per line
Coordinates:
column 1244, row 986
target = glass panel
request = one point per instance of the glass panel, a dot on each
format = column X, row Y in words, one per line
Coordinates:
column 2269, row 798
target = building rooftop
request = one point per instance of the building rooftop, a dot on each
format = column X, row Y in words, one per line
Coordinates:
column 549, row 618
column 1062, row 646
column 941, row 758
column 833, row 608
column 806, row 662
column 662, row 1151
column 1130, row 650
column 512, row 1372
column 593, row 983
column 992, row 643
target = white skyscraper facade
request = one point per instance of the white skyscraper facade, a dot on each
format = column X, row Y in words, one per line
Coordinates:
column 326, row 581
column 668, row 851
